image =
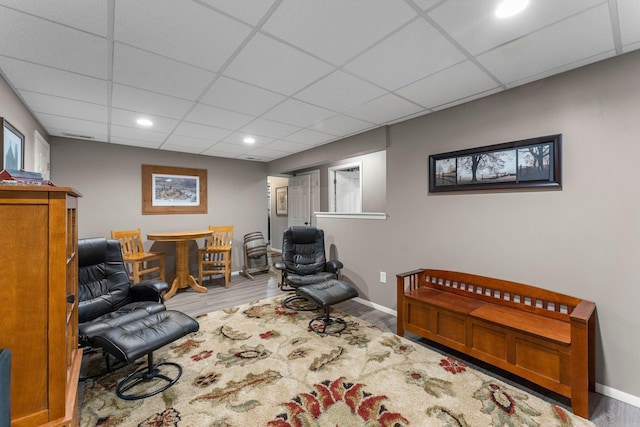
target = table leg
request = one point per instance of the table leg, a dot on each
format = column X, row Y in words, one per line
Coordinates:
column 183, row 278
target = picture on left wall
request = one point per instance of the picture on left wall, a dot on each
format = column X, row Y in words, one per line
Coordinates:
column 12, row 147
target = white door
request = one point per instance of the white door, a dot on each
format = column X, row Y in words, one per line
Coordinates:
column 41, row 156
column 304, row 198
column 299, row 200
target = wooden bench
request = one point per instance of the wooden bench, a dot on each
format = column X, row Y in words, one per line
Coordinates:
column 542, row 336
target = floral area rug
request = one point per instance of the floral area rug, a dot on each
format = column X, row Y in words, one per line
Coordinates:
column 258, row 364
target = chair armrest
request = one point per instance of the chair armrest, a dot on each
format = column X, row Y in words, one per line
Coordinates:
column 279, row 265
column 334, row 265
column 148, row 290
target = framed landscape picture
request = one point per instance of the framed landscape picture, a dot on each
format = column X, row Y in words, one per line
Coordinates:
column 281, row 201
column 12, row 147
column 527, row 163
column 173, row 190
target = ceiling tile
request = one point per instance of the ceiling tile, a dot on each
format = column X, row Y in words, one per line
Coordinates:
column 336, row 30
column 134, row 142
column 269, row 128
column 138, row 134
column 47, row 43
column 217, row 117
column 298, row 113
column 310, row 137
column 342, row 125
column 50, row 81
column 214, row 153
column 68, row 133
column 530, row 57
column 241, row 97
column 249, row 11
column 40, row 103
column 135, row 67
column 458, row 82
column 225, row 147
column 183, row 31
column 286, row 146
column 339, row 91
column 181, row 148
column 426, row 4
column 467, row 99
column 195, row 130
column 194, row 144
column 72, row 125
column 128, row 118
column 266, row 62
column 143, row 101
column 385, row 109
column 466, row 20
column 90, row 16
column 263, row 154
column 629, row 16
column 406, row 56
column 237, row 138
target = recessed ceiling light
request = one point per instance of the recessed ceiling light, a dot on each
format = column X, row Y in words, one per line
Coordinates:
column 249, row 140
column 510, row 8
column 144, row 122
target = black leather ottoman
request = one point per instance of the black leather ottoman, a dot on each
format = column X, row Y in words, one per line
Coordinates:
column 132, row 340
column 324, row 295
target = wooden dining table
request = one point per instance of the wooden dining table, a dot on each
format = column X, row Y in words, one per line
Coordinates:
column 183, row 279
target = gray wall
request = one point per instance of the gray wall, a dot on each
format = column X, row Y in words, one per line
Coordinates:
column 14, row 111
column 583, row 240
column 109, row 178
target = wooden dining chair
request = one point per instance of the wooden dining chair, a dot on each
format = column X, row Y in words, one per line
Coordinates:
column 137, row 259
column 215, row 257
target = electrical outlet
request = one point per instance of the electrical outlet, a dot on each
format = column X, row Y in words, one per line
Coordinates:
column 383, row 277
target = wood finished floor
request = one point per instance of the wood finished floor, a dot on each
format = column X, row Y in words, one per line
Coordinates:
column 605, row 411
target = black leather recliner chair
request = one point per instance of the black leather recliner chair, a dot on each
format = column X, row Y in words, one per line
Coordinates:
column 304, row 263
column 106, row 298
column 126, row 321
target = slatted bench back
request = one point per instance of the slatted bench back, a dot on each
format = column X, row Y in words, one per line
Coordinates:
column 496, row 291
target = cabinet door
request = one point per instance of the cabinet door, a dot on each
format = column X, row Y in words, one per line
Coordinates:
column 24, row 304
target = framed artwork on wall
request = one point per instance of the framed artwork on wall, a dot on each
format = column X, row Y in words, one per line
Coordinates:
column 173, row 190
column 281, row 200
column 12, row 147
column 527, row 163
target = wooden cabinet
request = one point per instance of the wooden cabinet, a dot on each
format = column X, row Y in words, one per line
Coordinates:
column 38, row 302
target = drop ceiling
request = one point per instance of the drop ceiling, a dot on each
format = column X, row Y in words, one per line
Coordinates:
column 292, row 74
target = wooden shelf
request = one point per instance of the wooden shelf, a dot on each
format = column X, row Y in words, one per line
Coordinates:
column 40, row 269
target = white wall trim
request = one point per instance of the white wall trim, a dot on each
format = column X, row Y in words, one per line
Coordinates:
column 376, row 306
column 345, row 215
column 600, row 388
column 618, row 395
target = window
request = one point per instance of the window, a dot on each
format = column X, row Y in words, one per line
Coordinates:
column 345, row 188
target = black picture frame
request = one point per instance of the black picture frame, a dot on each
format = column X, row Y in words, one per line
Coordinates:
column 526, row 163
column 12, row 143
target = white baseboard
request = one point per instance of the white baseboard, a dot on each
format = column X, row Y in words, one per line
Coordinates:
column 600, row 388
column 376, row 306
column 618, row 395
